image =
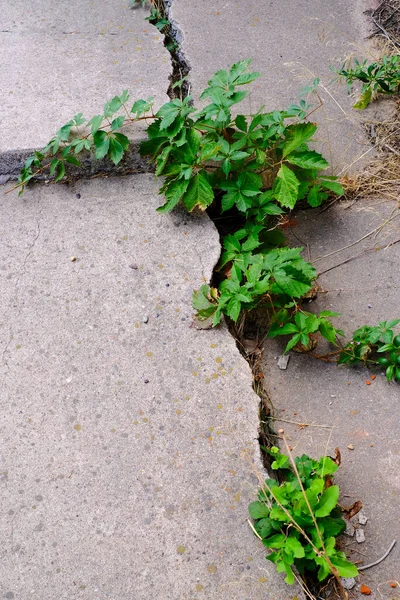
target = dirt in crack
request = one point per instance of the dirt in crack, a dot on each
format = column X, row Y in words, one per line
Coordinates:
column 160, row 17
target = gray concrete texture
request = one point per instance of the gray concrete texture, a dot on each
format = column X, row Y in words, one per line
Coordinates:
column 290, row 43
column 57, row 60
column 124, row 430
column 340, row 406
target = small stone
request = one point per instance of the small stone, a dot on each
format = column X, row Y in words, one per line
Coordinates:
column 133, row 266
column 145, row 319
column 362, row 519
column 77, row 196
column 283, row 361
column 4, row 179
column 73, row 258
column 146, row 381
column 349, row 529
column 369, row 305
column 360, row 536
column 167, row 285
column 348, row 582
column 333, row 396
column 350, row 447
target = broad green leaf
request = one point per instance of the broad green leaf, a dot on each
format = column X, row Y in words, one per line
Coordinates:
column 308, row 160
column 115, row 150
column 168, row 113
column 199, row 193
column 264, row 527
column 173, row 194
column 123, row 140
column 258, row 510
column 295, row 547
column 233, row 309
column 117, row 123
column 72, row 160
column 112, row 106
column 60, row 170
column 328, row 501
column 344, row 566
column 275, row 541
column 296, row 135
column 101, row 143
column 286, row 187
column 364, row 99
column 332, row 185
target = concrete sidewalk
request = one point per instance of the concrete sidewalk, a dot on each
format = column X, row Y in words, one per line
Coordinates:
column 290, row 43
column 124, row 430
column 348, row 407
column 127, row 434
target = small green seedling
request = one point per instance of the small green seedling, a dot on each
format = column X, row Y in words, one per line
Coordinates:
column 381, row 77
column 300, row 519
column 375, row 346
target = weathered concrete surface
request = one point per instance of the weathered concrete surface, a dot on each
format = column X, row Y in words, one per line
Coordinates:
column 122, row 463
column 57, row 60
column 289, row 43
column 364, row 291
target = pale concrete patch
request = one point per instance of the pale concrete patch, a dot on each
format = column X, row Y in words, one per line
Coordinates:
column 57, row 60
column 289, row 43
column 364, row 291
column 123, row 428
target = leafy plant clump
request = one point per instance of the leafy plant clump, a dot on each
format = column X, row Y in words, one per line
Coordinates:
column 381, row 77
column 252, row 167
column 300, row 519
column 375, row 346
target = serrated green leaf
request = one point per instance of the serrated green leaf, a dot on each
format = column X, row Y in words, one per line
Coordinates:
column 286, row 187
column 101, row 143
column 117, row 123
column 115, row 151
column 295, row 547
column 258, row 510
column 173, row 194
column 333, row 186
column 95, row 123
column 296, row 135
column 199, row 193
column 308, row 160
column 328, row 501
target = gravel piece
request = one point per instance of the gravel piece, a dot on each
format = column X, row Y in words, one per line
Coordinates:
column 348, row 582
column 349, row 529
column 362, row 519
column 145, row 319
column 283, row 361
column 360, row 536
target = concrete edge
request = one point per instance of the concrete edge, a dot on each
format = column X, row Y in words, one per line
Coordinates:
column 12, row 161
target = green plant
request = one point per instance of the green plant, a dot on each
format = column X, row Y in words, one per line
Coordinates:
column 300, row 519
column 302, row 326
column 101, row 136
column 375, row 346
column 378, row 77
column 253, row 166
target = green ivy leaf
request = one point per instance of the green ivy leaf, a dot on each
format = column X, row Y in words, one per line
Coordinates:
column 296, row 135
column 328, row 501
column 173, row 194
column 101, row 143
column 308, row 160
column 115, row 151
column 286, row 187
column 199, row 193
column 258, row 510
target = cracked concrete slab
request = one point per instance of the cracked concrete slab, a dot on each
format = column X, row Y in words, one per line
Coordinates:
column 348, row 407
column 57, row 61
column 289, row 43
column 124, row 430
